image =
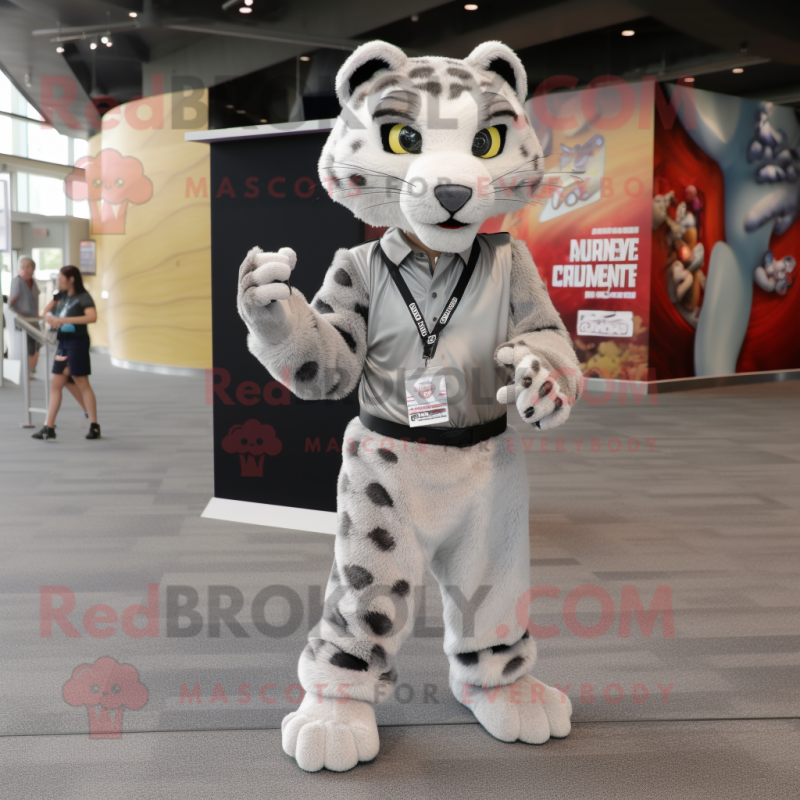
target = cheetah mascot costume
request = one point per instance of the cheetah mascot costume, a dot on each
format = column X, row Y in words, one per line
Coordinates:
column 431, row 148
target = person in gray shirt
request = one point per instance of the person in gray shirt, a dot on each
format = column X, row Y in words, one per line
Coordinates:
column 23, row 298
column 440, row 328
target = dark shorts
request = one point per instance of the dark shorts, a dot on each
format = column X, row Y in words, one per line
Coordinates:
column 33, row 346
column 77, row 357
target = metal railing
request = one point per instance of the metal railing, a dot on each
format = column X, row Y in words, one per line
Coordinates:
column 30, row 329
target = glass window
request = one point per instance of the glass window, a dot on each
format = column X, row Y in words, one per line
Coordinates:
column 7, row 91
column 47, row 144
column 5, row 212
column 5, row 272
column 31, row 139
column 80, row 209
column 37, row 194
column 6, row 138
column 80, row 148
column 14, row 101
column 48, row 259
column 14, row 136
column 22, row 191
column 47, row 196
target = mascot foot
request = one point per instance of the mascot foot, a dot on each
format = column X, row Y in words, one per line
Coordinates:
column 331, row 734
column 526, row 710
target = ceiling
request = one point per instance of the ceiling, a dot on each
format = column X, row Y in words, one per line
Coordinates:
column 252, row 61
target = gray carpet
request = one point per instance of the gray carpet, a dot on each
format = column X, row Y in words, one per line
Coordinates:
column 711, row 512
column 733, row 760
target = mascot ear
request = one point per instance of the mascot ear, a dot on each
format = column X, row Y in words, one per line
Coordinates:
column 502, row 60
column 364, row 63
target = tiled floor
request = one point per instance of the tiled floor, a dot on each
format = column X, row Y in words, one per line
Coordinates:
column 707, row 507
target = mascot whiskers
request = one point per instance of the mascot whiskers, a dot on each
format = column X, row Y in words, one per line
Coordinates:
column 440, row 329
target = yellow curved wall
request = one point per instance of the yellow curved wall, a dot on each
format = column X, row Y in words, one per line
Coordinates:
column 157, row 273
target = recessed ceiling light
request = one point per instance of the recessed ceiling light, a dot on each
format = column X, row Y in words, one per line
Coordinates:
column 471, row 7
column 305, row 58
column 690, row 79
column 263, row 120
column 230, row 106
column 104, row 39
column 109, row 43
column 415, row 17
column 132, row 14
column 240, row 111
column 737, row 70
column 59, row 49
column 248, row 2
column 245, row 10
column 93, row 46
column 628, row 33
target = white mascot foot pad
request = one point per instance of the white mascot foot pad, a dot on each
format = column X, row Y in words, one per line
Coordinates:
column 526, row 710
column 334, row 734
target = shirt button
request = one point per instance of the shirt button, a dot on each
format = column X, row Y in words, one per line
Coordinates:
column 435, row 318
column 434, row 294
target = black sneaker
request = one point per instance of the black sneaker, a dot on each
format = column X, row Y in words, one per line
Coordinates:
column 94, row 431
column 45, row 433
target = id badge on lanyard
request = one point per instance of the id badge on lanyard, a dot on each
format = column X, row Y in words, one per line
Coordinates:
column 426, row 389
column 426, row 396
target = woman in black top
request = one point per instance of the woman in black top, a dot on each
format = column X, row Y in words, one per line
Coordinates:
column 72, row 310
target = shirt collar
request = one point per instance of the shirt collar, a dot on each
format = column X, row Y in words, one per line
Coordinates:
column 397, row 246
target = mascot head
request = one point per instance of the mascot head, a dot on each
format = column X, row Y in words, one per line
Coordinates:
column 434, row 146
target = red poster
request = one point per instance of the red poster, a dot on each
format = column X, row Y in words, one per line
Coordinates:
column 588, row 224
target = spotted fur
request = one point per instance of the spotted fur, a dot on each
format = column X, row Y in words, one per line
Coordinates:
column 494, row 665
column 470, row 520
column 382, row 552
column 317, row 349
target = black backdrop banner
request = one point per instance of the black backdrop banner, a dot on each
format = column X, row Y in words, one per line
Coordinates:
column 269, row 446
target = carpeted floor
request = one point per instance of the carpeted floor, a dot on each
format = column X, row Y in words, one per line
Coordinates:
column 692, row 500
column 723, row 760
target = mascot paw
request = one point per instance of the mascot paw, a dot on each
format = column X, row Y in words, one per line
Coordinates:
column 536, row 390
column 330, row 734
column 526, row 711
column 263, row 279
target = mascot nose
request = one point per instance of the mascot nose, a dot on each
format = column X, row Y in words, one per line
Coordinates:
column 452, row 196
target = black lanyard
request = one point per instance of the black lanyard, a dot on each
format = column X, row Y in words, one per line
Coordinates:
column 430, row 339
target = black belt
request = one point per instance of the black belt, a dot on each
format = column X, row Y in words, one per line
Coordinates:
column 452, row 437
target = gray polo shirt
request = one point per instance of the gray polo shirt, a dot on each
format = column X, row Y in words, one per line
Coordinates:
column 467, row 344
column 27, row 304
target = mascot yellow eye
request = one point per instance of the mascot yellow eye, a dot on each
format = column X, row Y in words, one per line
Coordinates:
column 488, row 143
column 401, row 138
